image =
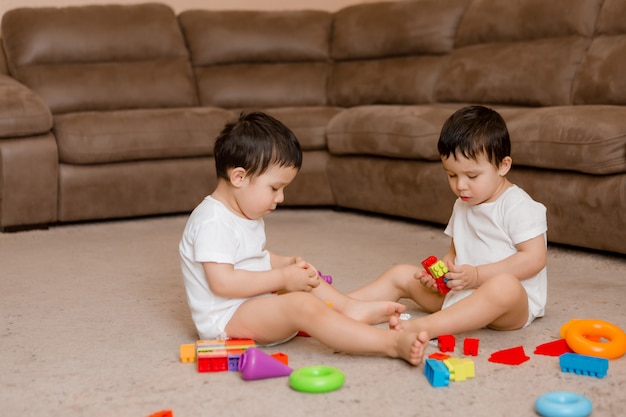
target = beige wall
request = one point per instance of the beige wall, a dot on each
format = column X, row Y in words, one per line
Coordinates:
column 179, row 5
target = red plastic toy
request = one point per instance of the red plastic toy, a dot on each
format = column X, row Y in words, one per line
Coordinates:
column 446, row 342
column 470, row 346
column 437, row 269
column 512, row 356
column 555, row 348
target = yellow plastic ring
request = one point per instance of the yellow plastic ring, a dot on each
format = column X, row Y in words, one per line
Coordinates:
column 585, row 337
column 316, row 379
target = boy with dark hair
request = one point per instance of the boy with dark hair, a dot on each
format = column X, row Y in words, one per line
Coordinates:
column 497, row 256
column 232, row 281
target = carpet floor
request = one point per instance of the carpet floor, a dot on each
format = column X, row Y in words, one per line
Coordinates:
column 93, row 316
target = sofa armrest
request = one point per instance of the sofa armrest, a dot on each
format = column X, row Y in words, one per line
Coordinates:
column 22, row 112
column 29, row 162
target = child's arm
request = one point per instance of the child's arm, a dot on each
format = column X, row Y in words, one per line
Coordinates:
column 530, row 258
column 226, row 281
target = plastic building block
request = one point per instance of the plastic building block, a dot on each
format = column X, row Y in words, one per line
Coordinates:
column 555, row 348
column 212, row 362
column 233, row 359
column 446, row 342
column 239, row 344
column 470, row 346
column 255, row 364
column 512, row 356
column 437, row 373
column 217, row 355
column 188, row 353
column 460, row 369
column 281, row 357
column 163, row 413
column 438, row 356
column 437, row 269
column 584, row 365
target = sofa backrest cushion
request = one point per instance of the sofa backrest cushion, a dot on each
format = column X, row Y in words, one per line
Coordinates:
column 259, row 58
column 100, row 57
column 601, row 78
column 391, row 52
column 523, row 52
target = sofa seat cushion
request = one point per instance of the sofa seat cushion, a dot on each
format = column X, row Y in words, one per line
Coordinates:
column 588, row 139
column 405, row 132
column 22, row 112
column 132, row 135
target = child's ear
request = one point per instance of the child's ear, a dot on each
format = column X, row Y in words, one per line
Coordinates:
column 505, row 166
column 237, row 176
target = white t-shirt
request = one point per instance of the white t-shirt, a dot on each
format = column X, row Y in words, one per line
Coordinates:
column 488, row 232
column 215, row 234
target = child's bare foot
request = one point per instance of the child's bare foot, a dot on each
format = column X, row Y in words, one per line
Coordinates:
column 373, row 312
column 396, row 324
column 411, row 347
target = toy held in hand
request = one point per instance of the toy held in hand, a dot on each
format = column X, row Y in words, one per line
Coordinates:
column 437, row 269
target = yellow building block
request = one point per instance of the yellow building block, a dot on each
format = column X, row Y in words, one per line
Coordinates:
column 460, row 369
column 438, row 269
column 188, row 353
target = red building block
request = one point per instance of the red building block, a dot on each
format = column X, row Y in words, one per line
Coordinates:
column 212, row 363
column 437, row 269
column 446, row 342
column 470, row 346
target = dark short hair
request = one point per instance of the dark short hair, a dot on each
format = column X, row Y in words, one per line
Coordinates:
column 475, row 130
column 255, row 141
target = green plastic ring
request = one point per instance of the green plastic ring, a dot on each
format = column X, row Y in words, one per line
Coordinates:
column 316, row 379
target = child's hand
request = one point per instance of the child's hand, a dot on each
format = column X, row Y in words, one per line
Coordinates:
column 426, row 280
column 298, row 260
column 300, row 276
column 461, row 277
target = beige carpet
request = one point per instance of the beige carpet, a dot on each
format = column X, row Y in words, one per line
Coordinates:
column 93, row 316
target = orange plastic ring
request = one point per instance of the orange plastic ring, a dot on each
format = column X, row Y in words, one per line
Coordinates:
column 585, row 337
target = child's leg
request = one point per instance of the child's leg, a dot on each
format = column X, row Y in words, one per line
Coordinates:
column 500, row 303
column 268, row 319
column 400, row 282
column 370, row 312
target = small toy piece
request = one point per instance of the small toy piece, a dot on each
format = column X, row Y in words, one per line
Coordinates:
column 437, row 269
column 316, row 379
column 460, row 369
column 162, row 413
column 555, row 348
column 512, row 356
column 470, row 346
column 188, row 353
column 584, row 365
column 438, row 356
column 563, row 404
column 437, row 373
column 327, row 278
column 281, row 357
column 446, row 342
column 256, row 364
column 585, row 337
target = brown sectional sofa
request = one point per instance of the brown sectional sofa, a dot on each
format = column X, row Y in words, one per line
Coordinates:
column 111, row 111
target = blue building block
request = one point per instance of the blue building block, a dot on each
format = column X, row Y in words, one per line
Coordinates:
column 437, row 373
column 584, row 365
